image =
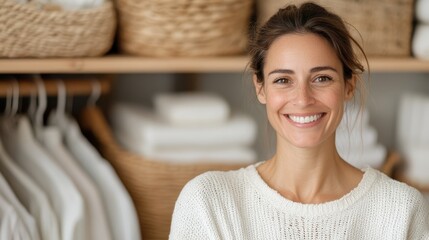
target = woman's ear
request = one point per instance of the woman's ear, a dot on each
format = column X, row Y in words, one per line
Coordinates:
column 351, row 87
column 259, row 88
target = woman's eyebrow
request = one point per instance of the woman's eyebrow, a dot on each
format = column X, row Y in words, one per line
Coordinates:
column 281, row 71
column 315, row 69
column 322, row 68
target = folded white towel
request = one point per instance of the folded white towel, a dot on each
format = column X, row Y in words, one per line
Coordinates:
column 413, row 116
column 417, row 157
column 402, row 121
column 422, row 11
column 356, row 138
column 226, row 155
column 424, row 133
column 372, row 156
column 152, row 132
column 191, row 108
column 354, row 118
column 420, row 43
column 71, row 5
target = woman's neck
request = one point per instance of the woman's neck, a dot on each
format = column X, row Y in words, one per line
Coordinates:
column 314, row 175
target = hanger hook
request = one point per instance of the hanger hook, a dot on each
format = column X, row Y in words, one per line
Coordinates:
column 95, row 93
column 15, row 97
column 8, row 106
column 41, row 107
column 61, row 98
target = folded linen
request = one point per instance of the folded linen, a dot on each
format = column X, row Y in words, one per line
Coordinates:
column 372, row 156
column 191, row 108
column 225, row 155
column 422, row 11
column 413, row 116
column 417, row 157
column 152, row 132
column 354, row 118
column 420, row 43
column 71, row 5
column 356, row 138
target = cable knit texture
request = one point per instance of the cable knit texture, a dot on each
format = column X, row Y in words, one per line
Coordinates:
column 240, row 205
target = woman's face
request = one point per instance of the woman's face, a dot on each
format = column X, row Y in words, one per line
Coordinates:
column 304, row 89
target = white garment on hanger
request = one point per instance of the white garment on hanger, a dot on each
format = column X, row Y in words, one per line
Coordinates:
column 31, row 196
column 11, row 226
column 121, row 212
column 95, row 220
column 27, row 219
column 33, row 159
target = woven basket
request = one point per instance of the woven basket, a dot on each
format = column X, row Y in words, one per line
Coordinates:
column 385, row 26
column 154, row 186
column 168, row 28
column 28, row 30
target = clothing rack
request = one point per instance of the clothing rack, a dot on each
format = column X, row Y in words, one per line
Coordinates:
column 73, row 86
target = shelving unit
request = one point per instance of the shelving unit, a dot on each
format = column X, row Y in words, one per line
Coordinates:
column 132, row 64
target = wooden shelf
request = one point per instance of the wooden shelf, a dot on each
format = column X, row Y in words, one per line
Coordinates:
column 74, row 87
column 132, row 64
column 124, row 64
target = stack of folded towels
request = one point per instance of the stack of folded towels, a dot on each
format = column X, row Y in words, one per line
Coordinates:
column 356, row 140
column 413, row 136
column 420, row 43
column 186, row 128
column 68, row 5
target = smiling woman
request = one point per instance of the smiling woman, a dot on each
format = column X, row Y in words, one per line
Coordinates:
column 304, row 90
column 305, row 70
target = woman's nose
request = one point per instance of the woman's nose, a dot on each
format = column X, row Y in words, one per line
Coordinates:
column 303, row 95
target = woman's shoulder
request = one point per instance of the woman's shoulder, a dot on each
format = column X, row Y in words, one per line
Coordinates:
column 397, row 192
column 216, row 183
column 218, row 179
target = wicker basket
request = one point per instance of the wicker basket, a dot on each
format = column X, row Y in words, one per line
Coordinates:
column 29, row 30
column 168, row 28
column 154, row 186
column 385, row 26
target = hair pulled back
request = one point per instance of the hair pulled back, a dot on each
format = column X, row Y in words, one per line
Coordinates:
column 307, row 18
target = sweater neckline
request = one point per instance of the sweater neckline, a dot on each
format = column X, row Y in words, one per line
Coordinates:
column 311, row 210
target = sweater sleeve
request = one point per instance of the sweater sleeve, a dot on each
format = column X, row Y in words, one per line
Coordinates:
column 419, row 228
column 191, row 217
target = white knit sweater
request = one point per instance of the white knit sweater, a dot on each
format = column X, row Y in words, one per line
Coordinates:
column 240, row 205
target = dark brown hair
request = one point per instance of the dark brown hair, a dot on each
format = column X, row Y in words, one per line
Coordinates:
column 307, row 18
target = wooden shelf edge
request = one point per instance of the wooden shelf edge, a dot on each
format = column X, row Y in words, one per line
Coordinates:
column 407, row 64
column 133, row 64
column 124, row 64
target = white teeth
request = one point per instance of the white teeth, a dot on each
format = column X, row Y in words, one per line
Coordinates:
column 307, row 119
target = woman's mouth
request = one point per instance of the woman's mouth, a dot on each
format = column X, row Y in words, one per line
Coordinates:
column 305, row 119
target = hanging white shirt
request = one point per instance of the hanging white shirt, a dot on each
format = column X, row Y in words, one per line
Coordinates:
column 95, row 221
column 27, row 219
column 31, row 196
column 121, row 212
column 11, row 226
column 33, row 159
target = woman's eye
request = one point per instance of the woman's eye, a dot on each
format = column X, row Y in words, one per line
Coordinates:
column 323, row 79
column 281, row 80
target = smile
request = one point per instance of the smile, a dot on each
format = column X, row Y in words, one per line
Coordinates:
column 305, row 119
